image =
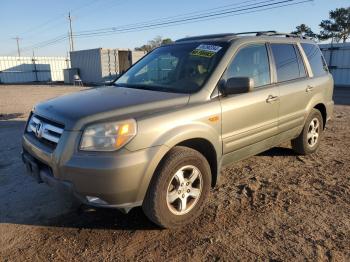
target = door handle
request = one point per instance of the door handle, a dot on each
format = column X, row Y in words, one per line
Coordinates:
column 271, row 99
column 309, row 88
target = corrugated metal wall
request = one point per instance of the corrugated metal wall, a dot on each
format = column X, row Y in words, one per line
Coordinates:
column 338, row 59
column 88, row 62
column 109, row 63
column 102, row 64
column 30, row 69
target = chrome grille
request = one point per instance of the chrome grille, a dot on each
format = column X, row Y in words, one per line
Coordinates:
column 42, row 129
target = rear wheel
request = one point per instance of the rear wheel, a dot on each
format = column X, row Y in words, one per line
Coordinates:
column 309, row 139
column 178, row 189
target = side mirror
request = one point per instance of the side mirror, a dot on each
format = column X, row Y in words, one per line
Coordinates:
column 237, row 85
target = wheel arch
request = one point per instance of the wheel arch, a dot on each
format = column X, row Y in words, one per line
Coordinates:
column 323, row 110
column 206, row 148
column 200, row 138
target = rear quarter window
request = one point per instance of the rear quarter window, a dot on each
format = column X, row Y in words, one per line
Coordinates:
column 316, row 60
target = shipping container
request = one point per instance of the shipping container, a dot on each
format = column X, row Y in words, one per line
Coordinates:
column 338, row 59
column 103, row 64
column 32, row 69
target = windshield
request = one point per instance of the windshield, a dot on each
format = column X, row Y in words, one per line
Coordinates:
column 179, row 68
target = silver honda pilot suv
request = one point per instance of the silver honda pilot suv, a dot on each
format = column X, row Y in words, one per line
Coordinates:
column 159, row 135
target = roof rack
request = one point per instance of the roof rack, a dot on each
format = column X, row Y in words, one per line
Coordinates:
column 213, row 36
column 272, row 33
column 257, row 33
column 231, row 35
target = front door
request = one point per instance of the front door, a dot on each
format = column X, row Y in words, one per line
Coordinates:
column 249, row 120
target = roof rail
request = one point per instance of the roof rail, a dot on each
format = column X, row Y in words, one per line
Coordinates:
column 272, row 33
column 231, row 35
column 257, row 33
column 213, row 36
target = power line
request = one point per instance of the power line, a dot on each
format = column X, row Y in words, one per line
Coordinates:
column 46, row 43
column 79, row 8
column 49, row 23
column 183, row 23
column 180, row 15
column 43, row 25
column 186, row 15
column 105, row 6
column 261, row 4
column 203, row 16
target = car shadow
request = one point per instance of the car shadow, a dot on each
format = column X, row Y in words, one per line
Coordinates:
column 87, row 217
column 24, row 201
column 278, row 151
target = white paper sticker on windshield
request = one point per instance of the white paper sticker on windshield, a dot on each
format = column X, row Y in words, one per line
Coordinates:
column 206, row 50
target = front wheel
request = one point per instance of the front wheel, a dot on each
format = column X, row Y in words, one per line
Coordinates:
column 309, row 139
column 178, row 189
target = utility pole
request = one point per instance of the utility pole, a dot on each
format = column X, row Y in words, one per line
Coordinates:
column 70, row 42
column 18, row 49
column 70, row 32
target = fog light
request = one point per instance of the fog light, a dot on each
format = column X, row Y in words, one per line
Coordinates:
column 96, row 200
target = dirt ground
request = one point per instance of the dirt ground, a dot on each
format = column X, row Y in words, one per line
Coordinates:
column 276, row 206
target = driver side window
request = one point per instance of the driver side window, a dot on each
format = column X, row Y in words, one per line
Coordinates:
column 251, row 61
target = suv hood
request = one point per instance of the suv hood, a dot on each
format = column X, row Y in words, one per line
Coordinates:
column 107, row 103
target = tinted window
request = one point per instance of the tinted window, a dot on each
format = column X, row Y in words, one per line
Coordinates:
column 288, row 66
column 316, row 60
column 179, row 68
column 251, row 61
column 160, row 68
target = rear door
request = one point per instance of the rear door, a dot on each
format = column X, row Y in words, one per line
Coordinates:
column 291, row 80
column 320, row 82
column 249, row 120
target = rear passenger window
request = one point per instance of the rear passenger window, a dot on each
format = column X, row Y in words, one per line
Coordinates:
column 316, row 60
column 251, row 61
column 288, row 62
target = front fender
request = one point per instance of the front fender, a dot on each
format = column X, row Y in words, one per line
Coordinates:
column 195, row 121
column 173, row 137
column 194, row 130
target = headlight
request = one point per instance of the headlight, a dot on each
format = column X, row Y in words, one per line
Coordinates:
column 108, row 136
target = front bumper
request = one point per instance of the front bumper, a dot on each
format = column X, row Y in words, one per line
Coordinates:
column 115, row 179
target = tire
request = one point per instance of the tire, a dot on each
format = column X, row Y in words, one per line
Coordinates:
column 306, row 143
column 181, row 163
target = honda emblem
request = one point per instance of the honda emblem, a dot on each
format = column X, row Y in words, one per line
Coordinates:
column 39, row 129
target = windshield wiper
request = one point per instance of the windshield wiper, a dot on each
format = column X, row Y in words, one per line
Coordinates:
column 149, row 87
column 144, row 87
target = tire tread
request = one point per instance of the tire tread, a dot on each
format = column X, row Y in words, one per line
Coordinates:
column 150, row 206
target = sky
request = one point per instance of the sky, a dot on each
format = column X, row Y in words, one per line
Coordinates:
column 42, row 20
